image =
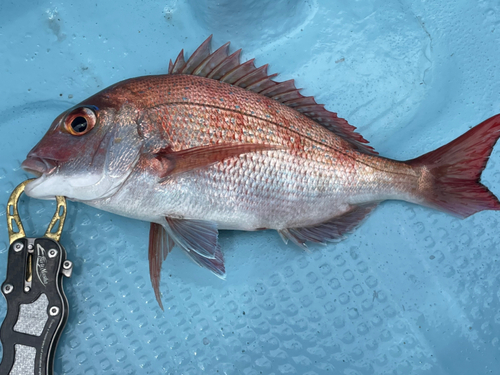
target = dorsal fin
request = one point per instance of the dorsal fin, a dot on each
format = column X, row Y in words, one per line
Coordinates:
column 221, row 66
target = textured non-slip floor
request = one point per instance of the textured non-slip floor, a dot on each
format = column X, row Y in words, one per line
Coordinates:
column 413, row 291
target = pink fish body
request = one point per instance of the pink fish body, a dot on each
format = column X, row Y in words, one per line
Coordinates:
column 216, row 144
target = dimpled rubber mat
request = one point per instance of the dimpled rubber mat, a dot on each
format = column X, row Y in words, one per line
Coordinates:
column 412, row 291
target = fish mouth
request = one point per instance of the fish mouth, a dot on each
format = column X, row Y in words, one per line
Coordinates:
column 38, row 166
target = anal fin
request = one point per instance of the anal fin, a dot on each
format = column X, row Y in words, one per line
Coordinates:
column 332, row 230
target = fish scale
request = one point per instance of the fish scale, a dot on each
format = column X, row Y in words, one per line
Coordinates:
column 199, row 94
column 192, row 152
column 190, row 125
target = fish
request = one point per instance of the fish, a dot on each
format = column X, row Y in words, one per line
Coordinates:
column 216, row 144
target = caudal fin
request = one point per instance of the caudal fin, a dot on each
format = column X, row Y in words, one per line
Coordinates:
column 451, row 174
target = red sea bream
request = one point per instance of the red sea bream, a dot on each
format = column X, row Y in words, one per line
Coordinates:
column 215, row 144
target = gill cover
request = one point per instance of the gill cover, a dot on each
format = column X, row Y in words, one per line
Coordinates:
column 94, row 149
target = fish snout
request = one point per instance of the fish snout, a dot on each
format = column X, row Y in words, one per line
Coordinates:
column 38, row 166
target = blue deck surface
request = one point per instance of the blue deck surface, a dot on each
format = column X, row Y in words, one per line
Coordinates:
column 412, row 291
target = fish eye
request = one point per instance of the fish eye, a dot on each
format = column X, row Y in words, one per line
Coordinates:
column 79, row 124
column 80, row 121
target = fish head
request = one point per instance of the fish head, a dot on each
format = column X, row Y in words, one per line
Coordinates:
column 88, row 151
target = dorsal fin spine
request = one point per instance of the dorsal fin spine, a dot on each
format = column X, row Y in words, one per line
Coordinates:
column 305, row 100
column 198, row 56
column 252, row 77
column 230, row 62
column 262, row 84
column 240, row 71
column 179, row 63
column 289, row 95
column 279, row 88
column 211, row 62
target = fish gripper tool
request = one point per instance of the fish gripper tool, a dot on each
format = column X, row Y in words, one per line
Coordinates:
column 37, row 308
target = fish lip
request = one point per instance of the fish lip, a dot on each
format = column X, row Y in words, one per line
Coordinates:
column 39, row 166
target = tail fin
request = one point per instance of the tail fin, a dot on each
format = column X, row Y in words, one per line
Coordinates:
column 451, row 174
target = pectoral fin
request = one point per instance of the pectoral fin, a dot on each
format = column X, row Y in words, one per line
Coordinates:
column 172, row 163
column 160, row 245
